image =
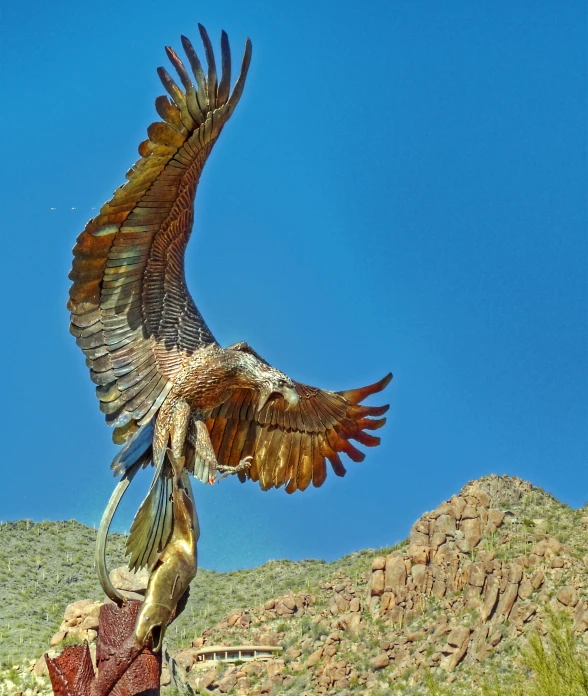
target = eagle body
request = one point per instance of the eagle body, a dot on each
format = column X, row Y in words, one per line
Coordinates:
column 162, row 380
column 212, row 374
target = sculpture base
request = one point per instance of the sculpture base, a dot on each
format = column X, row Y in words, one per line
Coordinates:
column 122, row 668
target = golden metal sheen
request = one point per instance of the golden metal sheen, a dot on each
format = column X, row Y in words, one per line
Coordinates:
column 170, row 391
column 175, row 568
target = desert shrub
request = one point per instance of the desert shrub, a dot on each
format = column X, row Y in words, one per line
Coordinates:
column 550, row 665
column 556, row 664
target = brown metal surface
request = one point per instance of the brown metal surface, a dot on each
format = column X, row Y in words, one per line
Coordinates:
column 160, row 374
column 71, row 673
column 123, row 668
column 148, row 348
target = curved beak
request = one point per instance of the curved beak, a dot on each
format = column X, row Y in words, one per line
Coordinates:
column 289, row 394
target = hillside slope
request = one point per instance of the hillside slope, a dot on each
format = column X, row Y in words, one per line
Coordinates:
column 476, row 577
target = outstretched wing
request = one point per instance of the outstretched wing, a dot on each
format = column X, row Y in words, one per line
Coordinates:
column 290, row 446
column 131, row 312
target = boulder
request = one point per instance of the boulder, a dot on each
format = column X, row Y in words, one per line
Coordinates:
column 395, row 576
column 419, row 553
column 40, row 668
column 225, row 684
column 419, row 575
column 57, row 638
column 515, row 573
column 469, row 513
column 73, row 611
column 380, row 661
column 439, row 589
column 165, row 679
column 275, row 668
column 507, row 600
column 472, row 529
column 379, row 563
column 184, row 660
column 525, row 589
column 129, row 581
column 490, row 597
column 457, row 636
column 446, row 525
column 477, row 575
column 458, row 505
column 89, row 623
column 567, row 596
column 92, row 609
column 269, row 638
column 496, row 517
column 252, row 668
column 314, row 657
column 437, row 539
column 377, row 588
column 203, row 681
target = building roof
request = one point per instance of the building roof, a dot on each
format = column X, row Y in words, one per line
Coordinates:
column 233, row 648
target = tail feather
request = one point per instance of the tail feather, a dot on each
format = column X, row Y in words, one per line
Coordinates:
column 153, row 523
column 137, row 446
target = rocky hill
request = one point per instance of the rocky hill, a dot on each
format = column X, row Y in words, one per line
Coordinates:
column 455, row 602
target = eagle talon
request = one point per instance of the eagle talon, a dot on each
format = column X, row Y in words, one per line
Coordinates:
column 243, row 465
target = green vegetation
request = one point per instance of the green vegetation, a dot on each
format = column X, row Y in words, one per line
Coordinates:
column 45, row 566
column 557, row 666
column 550, row 665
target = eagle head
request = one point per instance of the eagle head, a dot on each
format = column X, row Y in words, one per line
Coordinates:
column 277, row 384
column 255, row 373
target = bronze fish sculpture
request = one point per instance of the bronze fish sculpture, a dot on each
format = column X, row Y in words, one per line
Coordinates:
column 176, row 566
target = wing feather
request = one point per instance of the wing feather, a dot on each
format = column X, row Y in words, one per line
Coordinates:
column 291, row 446
column 304, row 473
column 281, row 462
column 261, row 451
column 319, row 464
column 226, row 444
column 131, row 312
column 238, row 443
column 293, row 459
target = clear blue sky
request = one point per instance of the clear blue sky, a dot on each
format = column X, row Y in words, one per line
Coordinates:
column 402, row 187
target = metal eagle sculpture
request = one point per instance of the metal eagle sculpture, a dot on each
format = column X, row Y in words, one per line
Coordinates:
column 175, row 397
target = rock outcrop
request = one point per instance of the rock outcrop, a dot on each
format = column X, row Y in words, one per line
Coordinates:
column 80, row 619
column 475, row 577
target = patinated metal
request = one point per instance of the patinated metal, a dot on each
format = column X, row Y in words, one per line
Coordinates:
column 100, row 558
column 176, row 566
column 175, row 397
column 123, row 667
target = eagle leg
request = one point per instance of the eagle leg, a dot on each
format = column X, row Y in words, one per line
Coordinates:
column 180, row 418
column 205, row 461
column 206, row 465
column 154, row 522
